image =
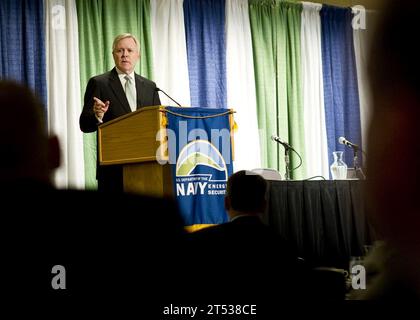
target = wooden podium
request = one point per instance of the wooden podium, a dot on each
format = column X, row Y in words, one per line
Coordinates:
column 136, row 141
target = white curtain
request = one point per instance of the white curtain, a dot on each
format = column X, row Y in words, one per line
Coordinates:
column 170, row 65
column 241, row 85
column 62, row 54
column 316, row 147
column 362, row 39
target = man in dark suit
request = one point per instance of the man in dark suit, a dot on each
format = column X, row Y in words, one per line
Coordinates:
column 113, row 94
column 244, row 258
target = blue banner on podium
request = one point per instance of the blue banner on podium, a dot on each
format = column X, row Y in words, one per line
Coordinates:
column 200, row 155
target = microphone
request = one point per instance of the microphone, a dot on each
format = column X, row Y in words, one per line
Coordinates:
column 287, row 148
column 283, row 143
column 157, row 89
column 344, row 141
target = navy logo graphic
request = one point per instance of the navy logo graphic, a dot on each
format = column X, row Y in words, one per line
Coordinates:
column 200, row 169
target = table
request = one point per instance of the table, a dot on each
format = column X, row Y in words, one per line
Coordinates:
column 326, row 220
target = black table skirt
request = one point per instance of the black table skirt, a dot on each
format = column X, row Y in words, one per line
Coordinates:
column 326, row 220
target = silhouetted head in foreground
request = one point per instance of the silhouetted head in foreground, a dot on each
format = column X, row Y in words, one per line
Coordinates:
column 393, row 162
column 26, row 151
column 246, row 194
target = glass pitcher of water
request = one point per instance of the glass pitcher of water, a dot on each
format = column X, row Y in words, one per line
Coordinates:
column 338, row 167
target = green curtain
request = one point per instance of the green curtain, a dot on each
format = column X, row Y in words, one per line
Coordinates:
column 99, row 22
column 275, row 27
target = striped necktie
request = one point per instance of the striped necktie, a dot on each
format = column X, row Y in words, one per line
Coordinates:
column 130, row 93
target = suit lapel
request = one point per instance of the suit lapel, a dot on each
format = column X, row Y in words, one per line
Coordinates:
column 115, row 84
column 139, row 87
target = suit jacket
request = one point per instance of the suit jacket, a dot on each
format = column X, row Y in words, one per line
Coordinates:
column 245, row 258
column 245, row 234
column 108, row 86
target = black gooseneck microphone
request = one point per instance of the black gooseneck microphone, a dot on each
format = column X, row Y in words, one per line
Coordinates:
column 158, row 89
column 356, row 148
column 287, row 148
column 346, row 142
column 283, row 143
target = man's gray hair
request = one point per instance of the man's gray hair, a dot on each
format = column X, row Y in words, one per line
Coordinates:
column 123, row 36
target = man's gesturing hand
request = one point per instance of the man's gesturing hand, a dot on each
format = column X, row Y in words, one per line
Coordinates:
column 99, row 108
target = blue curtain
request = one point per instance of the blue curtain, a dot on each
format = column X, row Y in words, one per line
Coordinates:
column 341, row 95
column 22, row 44
column 206, row 50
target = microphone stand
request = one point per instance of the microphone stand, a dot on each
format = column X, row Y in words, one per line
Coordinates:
column 358, row 171
column 287, row 162
column 287, row 149
column 355, row 164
